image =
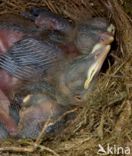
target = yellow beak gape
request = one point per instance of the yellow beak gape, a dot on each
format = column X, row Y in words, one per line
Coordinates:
column 96, row 47
column 97, row 64
column 90, row 75
column 111, row 29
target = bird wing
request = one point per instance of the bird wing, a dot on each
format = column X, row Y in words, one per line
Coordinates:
column 29, row 56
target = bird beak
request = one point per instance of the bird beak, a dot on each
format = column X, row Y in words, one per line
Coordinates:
column 99, row 57
column 106, row 38
column 26, row 99
column 111, row 29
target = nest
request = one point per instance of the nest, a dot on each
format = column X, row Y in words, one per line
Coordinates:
column 106, row 118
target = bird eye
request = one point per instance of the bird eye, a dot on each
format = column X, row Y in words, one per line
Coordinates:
column 78, row 98
column 102, row 38
column 96, row 55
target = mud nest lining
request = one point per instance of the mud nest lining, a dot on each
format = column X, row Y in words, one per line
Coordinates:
column 107, row 115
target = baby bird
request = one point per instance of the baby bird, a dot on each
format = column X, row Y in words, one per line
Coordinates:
column 47, row 20
column 79, row 77
column 93, row 31
column 38, row 106
column 82, row 35
column 12, row 29
column 45, row 101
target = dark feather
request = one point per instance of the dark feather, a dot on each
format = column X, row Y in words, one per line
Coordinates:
column 30, row 57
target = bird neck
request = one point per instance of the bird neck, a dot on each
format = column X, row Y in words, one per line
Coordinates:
column 70, row 49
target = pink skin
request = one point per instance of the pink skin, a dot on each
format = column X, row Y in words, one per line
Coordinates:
column 70, row 50
column 7, row 82
column 106, row 38
column 4, row 102
column 44, row 21
column 8, row 38
column 5, row 118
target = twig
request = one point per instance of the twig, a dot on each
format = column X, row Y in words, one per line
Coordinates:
column 44, row 148
column 66, row 113
column 29, row 149
column 18, row 149
column 41, row 134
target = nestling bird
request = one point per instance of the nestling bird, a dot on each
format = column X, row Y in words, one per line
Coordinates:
column 78, row 77
column 84, row 34
column 93, row 31
column 12, row 29
column 47, row 20
column 73, row 81
column 32, row 118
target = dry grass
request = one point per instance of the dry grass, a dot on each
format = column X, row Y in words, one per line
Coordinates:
column 107, row 116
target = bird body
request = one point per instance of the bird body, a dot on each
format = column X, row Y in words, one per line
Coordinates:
column 32, row 58
column 73, row 81
column 47, row 20
column 12, row 29
column 78, row 77
column 38, row 109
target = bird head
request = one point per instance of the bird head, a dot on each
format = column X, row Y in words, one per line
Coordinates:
column 93, row 31
column 79, row 76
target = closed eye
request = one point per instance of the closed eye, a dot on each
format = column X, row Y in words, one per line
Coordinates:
column 78, row 98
